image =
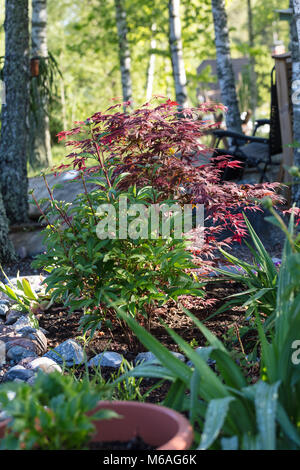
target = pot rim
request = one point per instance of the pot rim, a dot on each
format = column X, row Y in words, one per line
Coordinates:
column 183, row 438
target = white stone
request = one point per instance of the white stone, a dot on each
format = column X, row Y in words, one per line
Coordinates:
column 45, row 364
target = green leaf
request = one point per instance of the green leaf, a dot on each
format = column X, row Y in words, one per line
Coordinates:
column 266, row 397
column 215, row 416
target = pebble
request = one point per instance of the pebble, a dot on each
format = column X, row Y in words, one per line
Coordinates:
column 69, row 353
column 16, row 353
column 22, row 322
column 3, row 310
column 45, row 364
column 13, row 316
column 106, row 359
column 18, row 372
column 150, row 357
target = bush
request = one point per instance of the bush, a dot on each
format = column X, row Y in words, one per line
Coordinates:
column 88, row 273
column 148, row 156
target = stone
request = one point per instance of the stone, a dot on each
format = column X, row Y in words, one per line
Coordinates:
column 31, row 380
column 210, row 362
column 22, row 322
column 13, row 316
column 16, row 353
column 69, row 353
column 45, row 364
column 37, row 336
column 18, row 372
column 106, row 359
column 150, row 357
column 3, row 310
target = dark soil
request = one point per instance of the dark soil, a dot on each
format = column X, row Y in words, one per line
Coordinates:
column 135, row 443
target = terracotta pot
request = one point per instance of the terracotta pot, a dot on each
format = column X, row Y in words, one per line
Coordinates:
column 35, row 67
column 157, row 425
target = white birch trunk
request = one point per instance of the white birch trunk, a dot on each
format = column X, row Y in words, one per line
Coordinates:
column 224, row 67
column 40, row 142
column 151, row 66
column 177, row 53
column 124, row 51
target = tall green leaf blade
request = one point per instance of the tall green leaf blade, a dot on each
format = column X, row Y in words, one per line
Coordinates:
column 215, row 416
column 266, row 408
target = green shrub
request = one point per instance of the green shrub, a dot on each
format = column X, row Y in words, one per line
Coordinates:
column 93, row 274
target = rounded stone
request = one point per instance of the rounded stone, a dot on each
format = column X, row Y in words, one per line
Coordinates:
column 45, row 364
column 18, row 372
column 69, row 353
column 13, row 316
column 17, row 353
column 106, row 359
column 22, row 322
column 3, row 310
column 150, row 357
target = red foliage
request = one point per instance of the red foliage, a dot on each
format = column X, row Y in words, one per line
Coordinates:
column 159, row 147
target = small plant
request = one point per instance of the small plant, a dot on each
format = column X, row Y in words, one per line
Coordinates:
column 56, row 413
column 25, row 297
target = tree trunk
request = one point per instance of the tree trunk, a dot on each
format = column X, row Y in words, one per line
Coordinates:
column 151, row 67
column 224, row 67
column 175, row 42
column 124, row 51
column 40, row 142
column 6, row 247
column 14, row 130
column 295, row 49
column 253, row 89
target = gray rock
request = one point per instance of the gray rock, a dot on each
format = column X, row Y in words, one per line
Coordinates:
column 68, row 352
column 31, row 380
column 210, row 362
column 150, row 357
column 13, row 316
column 17, row 353
column 106, row 359
column 22, row 322
column 45, row 364
column 3, row 310
column 37, row 336
column 18, row 372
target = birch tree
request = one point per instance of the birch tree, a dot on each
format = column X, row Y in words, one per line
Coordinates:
column 151, row 66
column 253, row 88
column 224, row 66
column 176, row 51
column 40, row 143
column 14, row 128
column 124, row 51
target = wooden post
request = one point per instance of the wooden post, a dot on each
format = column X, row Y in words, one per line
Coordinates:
column 282, row 64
